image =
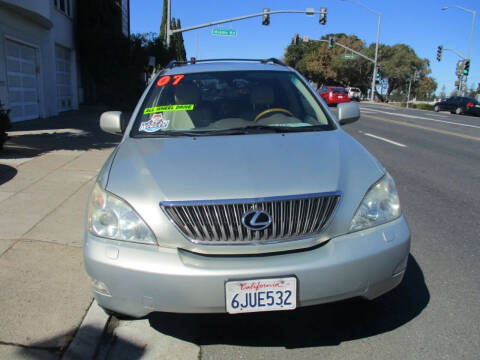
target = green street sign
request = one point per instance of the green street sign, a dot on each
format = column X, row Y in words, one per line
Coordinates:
column 224, row 32
column 349, row 56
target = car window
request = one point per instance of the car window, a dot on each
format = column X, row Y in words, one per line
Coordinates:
column 201, row 102
column 339, row 90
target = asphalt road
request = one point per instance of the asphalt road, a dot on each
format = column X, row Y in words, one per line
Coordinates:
column 435, row 312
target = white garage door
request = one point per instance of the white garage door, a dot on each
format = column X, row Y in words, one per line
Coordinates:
column 64, row 78
column 22, row 81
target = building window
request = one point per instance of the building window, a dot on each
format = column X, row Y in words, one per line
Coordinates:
column 63, row 6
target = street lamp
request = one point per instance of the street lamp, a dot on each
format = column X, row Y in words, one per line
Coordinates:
column 474, row 13
column 379, row 14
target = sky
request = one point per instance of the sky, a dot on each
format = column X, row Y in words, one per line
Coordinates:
column 421, row 24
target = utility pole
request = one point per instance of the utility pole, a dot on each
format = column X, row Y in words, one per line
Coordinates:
column 410, row 86
column 168, row 32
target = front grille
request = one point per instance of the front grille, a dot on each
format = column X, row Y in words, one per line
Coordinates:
column 220, row 222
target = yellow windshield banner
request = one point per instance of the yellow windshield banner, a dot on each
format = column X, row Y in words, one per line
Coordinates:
column 164, row 108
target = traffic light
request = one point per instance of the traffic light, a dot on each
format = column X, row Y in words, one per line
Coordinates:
column 439, row 52
column 266, row 17
column 296, row 39
column 331, row 42
column 323, row 16
column 460, row 67
column 466, row 67
column 378, row 75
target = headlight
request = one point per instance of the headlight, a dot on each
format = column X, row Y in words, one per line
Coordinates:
column 111, row 217
column 379, row 205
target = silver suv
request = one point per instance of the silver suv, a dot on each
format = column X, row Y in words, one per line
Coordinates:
column 235, row 189
column 354, row 93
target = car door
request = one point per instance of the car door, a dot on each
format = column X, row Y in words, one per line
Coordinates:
column 451, row 104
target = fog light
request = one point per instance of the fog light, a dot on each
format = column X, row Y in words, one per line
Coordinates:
column 100, row 287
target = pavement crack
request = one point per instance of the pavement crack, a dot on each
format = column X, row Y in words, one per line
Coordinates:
column 11, row 246
column 32, row 347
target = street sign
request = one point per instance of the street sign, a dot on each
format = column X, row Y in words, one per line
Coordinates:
column 224, row 32
column 349, row 56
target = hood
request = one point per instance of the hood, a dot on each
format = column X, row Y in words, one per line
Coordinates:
column 229, row 167
column 242, row 166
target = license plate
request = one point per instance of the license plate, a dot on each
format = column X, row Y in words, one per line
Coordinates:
column 340, row 97
column 261, row 295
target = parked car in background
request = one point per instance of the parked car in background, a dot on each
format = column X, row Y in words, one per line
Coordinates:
column 354, row 93
column 334, row 95
column 459, row 105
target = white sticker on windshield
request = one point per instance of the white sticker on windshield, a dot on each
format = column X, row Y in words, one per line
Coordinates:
column 156, row 122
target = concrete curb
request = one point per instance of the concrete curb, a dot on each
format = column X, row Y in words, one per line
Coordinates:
column 89, row 335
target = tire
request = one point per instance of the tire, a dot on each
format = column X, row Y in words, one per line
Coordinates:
column 459, row 111
column 436, row 108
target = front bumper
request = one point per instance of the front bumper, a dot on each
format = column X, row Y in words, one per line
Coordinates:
column 142, row 278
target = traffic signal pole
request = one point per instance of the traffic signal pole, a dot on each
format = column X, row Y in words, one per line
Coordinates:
column 170, row 32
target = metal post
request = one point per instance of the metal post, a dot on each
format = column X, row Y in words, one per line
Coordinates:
column 376, row 57
column 474, row 13
column 409, row 87
column 168, row 32
column 238, row 18
column 471, row 33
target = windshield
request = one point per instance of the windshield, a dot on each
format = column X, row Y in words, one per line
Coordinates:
column 229, row 103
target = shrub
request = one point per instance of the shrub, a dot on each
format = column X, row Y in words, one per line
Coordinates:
column 4, row 125
column 424, row 106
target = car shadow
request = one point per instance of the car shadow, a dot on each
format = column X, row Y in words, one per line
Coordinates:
column 7, row 173
column 109, row 347
column 76, row 130
column 322, row 325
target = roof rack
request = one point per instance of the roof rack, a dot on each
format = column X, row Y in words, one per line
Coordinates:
column 174, row 63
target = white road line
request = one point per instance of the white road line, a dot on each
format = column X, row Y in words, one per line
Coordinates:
column 383, row 139
column 424, row 118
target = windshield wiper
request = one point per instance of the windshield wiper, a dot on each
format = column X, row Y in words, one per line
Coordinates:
column 251, row 129
column 277, row 129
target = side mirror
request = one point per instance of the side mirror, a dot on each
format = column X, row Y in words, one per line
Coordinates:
column 348, row 113
column 112, row 122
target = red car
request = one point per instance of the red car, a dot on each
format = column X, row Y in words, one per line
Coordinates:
column 334, row 95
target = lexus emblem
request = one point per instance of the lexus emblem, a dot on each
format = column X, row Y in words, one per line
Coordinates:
column 256, row 220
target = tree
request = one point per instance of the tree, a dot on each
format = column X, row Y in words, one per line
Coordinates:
column 326, row 66
column 425, row 89
column 399, row 64
column 177, row 42
column 472, row 92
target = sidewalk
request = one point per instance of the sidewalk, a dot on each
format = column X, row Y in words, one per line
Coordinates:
column 46, row 172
